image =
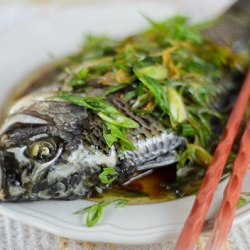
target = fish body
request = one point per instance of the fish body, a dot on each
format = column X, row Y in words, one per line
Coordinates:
column 56, row 150
column 51, row 148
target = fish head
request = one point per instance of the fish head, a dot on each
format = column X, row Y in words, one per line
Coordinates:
column 52, row 149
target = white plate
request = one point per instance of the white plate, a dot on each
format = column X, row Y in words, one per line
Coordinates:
column 24, row 49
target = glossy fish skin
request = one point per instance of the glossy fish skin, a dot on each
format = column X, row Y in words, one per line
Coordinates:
column 71, row 169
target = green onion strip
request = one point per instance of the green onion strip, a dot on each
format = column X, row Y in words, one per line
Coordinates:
column 95, row 211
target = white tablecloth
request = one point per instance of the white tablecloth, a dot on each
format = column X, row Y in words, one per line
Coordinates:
column 15, row 235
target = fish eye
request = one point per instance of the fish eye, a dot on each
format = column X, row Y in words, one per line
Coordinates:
column 42, row 150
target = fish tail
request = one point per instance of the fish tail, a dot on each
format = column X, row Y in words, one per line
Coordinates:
column 233, row 27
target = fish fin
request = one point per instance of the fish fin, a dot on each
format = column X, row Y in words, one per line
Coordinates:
column 159, row 162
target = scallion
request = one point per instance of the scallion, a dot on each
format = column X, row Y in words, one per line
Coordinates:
column 95, row 211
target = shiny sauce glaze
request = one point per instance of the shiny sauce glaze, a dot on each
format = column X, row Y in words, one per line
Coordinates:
column 147, row 187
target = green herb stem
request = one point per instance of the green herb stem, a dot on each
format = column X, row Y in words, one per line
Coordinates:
column 95, row 211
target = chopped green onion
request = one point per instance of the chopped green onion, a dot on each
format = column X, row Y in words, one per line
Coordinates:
column 157, row 90
column 108, row 114
column 95, row 211
column 112, row 89
column 108, row 175
column 118, row 120
column 118, row 203
column 187, row 154
column 94, row 103
column 171, row 72
column 155, row 72
column 113, row 134
column 86, row 209
column 82, row 73
column 110, row 139
column 78, row 79
column 77, row 82
column 76, row 100
column 187, row 130
column 176, row 106
column 103, row 107
column 116, row 134
column 130, row 95
column 200, row 156
column 94, row 214
column 241, row 202
column 142, row 111
column 246, row 193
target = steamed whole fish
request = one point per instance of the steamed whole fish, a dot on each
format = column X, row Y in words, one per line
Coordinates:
column 130, row 108
column 58, row 150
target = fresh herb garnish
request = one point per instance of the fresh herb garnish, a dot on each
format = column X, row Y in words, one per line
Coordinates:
column 169, row 71
column 94, row 103
column 113, row 134
column 94, row 214
column 110, row 115
column 118, row 120
column 112, row 89
column 241, row 202
column 108, row 175
column 246, row 193
column 156, row 88
column 95, row 211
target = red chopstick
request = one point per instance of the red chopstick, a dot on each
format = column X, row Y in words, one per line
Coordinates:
column 195, row 220
column 225, row 214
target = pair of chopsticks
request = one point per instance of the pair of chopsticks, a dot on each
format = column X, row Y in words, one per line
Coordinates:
column 225, row 215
